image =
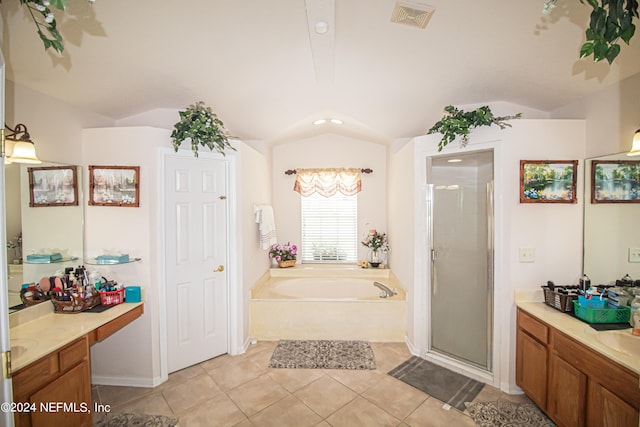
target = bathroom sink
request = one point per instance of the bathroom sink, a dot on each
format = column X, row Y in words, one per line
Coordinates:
column 18, row 350
column 21, row 346
column 621, row 341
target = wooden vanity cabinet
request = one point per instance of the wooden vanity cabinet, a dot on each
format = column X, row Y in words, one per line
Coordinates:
column 62, row 377
column 584, row 388
column 532, row 358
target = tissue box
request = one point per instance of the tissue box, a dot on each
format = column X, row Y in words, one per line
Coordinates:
column 112, row 259
column 44, row 258
column 132, row 294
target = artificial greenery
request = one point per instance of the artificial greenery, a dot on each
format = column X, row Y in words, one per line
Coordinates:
column 610, row 21
column 203, row 127
column 459, row 123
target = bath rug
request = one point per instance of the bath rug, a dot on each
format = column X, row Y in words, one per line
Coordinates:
column 450, row 387
column 137, row 420
column 323, row 354
column 505, row 413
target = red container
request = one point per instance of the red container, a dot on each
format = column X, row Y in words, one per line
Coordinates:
column 112, row 298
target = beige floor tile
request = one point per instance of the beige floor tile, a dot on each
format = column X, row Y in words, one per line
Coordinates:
column 114, row 395
column 432, row 414
column 231, row 375
column 286, row 412
column 244, row 423
column 186, row 374
column 361, row 412
column 255, row 395
column 388, row 356
column 216, row 362
column 516, row 398
column 186, row 395
column 357, row 380
column 219, row 411
column 397, row 398
column 325, row 395
column 487, row 394
column 151, row 404
column 294, row 379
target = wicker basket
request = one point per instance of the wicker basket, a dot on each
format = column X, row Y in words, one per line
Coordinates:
column 36, row 297
column 76, row 305
column 285, row 264
column 559, row 301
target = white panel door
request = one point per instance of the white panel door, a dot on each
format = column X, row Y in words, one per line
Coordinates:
column 196, row 260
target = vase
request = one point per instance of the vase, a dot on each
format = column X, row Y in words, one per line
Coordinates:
column 288, row 263
column 375, row 258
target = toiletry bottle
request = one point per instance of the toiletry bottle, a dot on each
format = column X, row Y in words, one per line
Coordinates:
column 585, row 284
column 634, row 318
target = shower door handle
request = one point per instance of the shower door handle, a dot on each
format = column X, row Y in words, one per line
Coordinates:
column 434, row 255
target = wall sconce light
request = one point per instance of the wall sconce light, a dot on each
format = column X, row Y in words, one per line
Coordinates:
column 635, row 147
column 18, row 147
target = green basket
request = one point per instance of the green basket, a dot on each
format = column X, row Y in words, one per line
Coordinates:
column 601, row 315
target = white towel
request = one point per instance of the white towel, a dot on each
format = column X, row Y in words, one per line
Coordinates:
column 264, row 217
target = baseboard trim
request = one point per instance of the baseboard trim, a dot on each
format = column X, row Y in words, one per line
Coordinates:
column 126, row 381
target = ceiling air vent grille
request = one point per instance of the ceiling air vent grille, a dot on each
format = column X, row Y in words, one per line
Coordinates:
column 412, row 13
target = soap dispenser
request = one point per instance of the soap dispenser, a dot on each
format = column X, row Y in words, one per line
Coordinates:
column 585, row 284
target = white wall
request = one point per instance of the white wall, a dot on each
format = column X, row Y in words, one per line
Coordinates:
column 330, row 151
column 132, row 356
column 554, row 230
column 612, row 116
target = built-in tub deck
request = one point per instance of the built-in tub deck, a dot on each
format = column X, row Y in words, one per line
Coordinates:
column 327, row 302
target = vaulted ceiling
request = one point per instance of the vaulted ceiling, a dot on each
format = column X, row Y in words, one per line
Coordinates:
column 269, row 71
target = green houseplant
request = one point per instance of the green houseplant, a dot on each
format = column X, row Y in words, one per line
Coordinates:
column 459, row 123
column 202, row 127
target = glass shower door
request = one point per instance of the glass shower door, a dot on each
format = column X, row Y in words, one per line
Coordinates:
column 461, row 215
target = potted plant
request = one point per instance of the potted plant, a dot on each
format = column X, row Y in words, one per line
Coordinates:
column 378, row 246
column 285, row 255
column 203, row 128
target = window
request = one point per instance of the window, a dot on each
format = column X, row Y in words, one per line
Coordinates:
column 329, row 228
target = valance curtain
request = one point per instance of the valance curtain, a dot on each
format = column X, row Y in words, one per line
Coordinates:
column 327, row 182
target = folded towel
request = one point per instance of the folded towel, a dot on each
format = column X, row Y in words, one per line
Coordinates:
column 264, row 217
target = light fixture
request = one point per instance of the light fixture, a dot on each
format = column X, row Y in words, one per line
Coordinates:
column 336, row 121
column 320, row 122
column 454, row 160
column 635, row 147
column 321, row 27
column 18, row 141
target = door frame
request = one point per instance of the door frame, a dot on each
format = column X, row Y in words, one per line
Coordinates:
column 422, row 276
column 234, row 291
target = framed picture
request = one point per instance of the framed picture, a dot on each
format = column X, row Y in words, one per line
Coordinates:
column 548, row 181
column 114, row 186
column 53, row 186
column 615, row 181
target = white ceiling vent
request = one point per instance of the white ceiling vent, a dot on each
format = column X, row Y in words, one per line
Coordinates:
column 412, row 13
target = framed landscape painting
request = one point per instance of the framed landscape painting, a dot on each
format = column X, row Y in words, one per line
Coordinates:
column 114, row 186
column 548, row 181
column 53, row 186
column 615, row 181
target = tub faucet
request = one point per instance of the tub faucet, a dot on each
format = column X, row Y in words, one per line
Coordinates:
column 386, row 291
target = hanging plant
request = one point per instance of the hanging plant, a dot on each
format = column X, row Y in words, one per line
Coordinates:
column 203, row 127
column 610, row 21
column 459, row 123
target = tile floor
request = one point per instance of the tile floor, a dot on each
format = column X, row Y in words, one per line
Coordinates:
column 242, row 391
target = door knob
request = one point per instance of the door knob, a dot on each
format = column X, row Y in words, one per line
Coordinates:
column 219, row 269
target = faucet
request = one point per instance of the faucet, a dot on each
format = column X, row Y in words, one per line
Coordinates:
column 386, row 291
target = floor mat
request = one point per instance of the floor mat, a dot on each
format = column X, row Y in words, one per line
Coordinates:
column 137, row 420
column 450, row 387
column 505, row 413
column 323, row 354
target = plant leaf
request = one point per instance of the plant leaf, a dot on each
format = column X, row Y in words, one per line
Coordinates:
column 612, row 52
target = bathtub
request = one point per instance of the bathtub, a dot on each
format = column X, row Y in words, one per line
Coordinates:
column 327, row 302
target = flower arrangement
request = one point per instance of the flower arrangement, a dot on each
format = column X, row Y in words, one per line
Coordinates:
column 285, row 252
column 203, row 127
column 376, row 241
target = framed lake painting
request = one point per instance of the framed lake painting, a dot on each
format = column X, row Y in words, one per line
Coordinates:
column 548, row 181
column 53, row 186
column 615, row 181
column 114, row 186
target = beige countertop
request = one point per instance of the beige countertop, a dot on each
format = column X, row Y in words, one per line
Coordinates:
column 34, row 338
column 622, row 347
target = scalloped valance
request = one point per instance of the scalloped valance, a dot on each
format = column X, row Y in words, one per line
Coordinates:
column 328, row 181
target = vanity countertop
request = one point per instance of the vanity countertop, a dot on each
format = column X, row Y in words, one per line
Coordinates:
column 629, row 356
column 33, row 339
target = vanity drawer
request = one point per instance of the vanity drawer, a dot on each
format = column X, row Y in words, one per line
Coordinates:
column 115, row 325
column 73, row 354
column 34, row 376
column 533, row 327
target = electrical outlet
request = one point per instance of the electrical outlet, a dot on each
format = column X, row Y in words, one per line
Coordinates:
column 634, row 254
column 527, row 255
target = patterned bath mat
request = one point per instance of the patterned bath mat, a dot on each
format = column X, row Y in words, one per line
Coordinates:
column 323, row 354
column 505, row 413
column 137, row 420
column 450, row 387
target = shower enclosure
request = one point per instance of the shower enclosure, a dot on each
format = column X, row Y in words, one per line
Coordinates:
column 460, row 216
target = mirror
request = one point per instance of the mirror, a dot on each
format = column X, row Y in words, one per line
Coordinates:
column 611, row 230
column 43, row 221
